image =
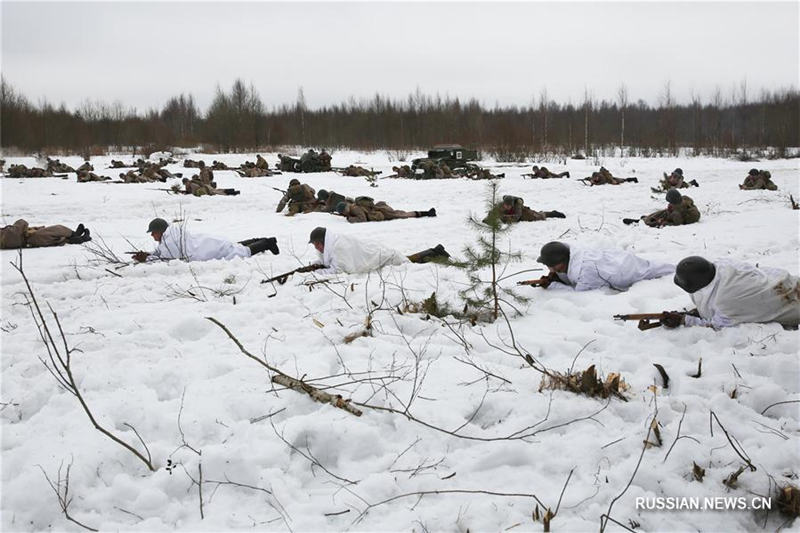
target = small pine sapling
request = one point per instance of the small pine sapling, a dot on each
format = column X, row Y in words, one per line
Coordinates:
column 484, row 294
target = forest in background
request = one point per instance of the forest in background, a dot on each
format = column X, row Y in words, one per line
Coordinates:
column 237, row 120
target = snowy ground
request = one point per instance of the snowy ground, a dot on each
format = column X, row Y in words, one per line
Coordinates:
column 144, row 345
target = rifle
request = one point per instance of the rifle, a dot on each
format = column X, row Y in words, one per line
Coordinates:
column 542, row 282
column 649, row 320
column 283, row 278
column 142, row 256
column 587, row 181
column 279, row 190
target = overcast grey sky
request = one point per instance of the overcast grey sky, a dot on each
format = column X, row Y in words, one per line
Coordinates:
column 143, row 53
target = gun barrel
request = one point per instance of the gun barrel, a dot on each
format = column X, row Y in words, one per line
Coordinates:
column 640, row 316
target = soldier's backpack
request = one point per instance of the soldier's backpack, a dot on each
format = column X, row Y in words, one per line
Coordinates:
column 365, row 201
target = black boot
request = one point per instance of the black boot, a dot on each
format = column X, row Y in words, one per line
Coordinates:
column 629, row 221
column 261, row 245
column 555, row 214
column 633, row 180
column 566, row 174
column 440, row 252
column 231, row 192
column 248, row 242
column 694, row 182
column 272, row 245
column 78, row 237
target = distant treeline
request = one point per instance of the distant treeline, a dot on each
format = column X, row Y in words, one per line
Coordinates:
column 237, row 120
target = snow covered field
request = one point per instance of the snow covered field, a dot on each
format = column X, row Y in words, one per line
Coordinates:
column 145, row 353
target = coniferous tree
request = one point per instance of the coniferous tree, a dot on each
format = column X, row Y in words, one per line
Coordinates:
column 485, row 263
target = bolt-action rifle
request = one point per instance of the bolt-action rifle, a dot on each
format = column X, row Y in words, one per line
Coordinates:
column 283, row 278
column 652, row 320
column 542, row 282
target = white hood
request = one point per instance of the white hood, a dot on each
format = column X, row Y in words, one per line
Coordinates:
column 741, row 292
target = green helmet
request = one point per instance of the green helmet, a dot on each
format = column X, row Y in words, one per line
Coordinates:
column 157, row 224
column 693, row 273
column 554, row 253
column 322, row 195
column 674, row 197
column 317, row 235
column 340, row 207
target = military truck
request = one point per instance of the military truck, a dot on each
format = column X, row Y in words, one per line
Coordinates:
column 453, row 155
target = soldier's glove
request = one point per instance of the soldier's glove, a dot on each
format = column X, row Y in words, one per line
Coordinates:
column 672, row 319
column 140, row 257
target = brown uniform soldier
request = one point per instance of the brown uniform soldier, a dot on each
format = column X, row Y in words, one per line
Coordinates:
column 327, row 201
column 21, row 235
column 288, row 164
column 253, row 172
column 206, row 176
column 604, row 177
column 758, row 179
column 133, row 177
column 325, row 161
column 300, row 197
column 513, row 209
column 85, row 166
column 151, row 173
column 403, row 171
column 85, row 176
column 365, row 209
column 432, row 170
column 680, row 210
column 676, row 181
column 355, row 171
column 544, row 173
column 54, row 165
column 21, row 171
column 198, row 188
column 357, row 212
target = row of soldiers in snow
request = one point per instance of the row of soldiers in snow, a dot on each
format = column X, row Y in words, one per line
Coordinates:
column 725, row 292
column 312, row 161
column 301, row 198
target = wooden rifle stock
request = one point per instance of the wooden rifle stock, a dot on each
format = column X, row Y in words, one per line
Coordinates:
column 543, row 282
column 282, row 278
column 646, row 320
